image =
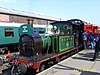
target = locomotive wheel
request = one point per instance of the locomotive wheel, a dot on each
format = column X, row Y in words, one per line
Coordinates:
column 42, row 67
column 59, row 60
column 30, row 72
column 1, row 61
column 15, row 70
column 6, row 72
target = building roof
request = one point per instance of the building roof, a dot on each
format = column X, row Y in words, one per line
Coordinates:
column 27, row 14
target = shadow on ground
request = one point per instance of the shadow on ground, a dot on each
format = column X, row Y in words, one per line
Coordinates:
column 83, row 72
column 90, row 73
column 85, row 56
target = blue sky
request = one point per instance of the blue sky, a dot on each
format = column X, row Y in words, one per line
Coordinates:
column 87, row 10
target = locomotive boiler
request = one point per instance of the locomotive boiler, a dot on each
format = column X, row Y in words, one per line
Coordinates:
column 33, row 42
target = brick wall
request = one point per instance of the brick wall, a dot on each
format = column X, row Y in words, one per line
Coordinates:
column 4, row 18
column 19, row 19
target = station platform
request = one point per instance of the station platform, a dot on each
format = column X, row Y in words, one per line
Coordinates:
column 78, row 64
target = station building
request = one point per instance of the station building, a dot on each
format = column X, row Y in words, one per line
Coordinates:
column 11, row 15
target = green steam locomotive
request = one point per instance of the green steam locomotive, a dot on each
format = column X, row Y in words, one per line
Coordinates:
column 39, row 51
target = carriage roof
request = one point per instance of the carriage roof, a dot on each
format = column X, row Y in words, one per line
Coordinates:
column 10, row 24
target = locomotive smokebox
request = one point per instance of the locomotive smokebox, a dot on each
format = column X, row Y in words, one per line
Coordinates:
column 30, row 45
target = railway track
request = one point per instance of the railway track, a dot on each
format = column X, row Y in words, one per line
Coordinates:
column 4, row 65
column 4, row 55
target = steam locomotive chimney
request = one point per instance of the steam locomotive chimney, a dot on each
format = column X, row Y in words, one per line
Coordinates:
column 31, row 23
column 28, row 21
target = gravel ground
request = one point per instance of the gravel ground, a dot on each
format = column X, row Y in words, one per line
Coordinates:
column 4, row 65
column 2, row 68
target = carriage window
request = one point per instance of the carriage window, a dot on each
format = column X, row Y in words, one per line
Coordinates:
column 9, row 32
column 41, row 30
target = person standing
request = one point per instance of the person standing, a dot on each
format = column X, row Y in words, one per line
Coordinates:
column 97, row 48
column 85, row 38
column 91, row 37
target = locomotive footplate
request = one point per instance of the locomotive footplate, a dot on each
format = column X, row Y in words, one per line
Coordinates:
column 33, row 58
